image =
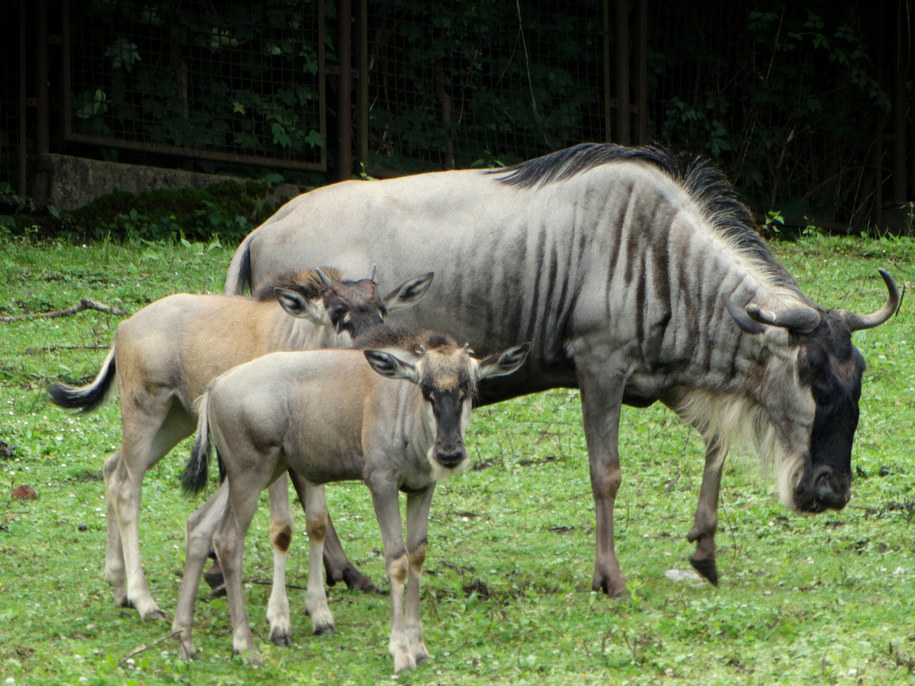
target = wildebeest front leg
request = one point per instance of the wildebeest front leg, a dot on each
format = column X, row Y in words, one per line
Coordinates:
column 706, row 520
column 601, row 401
column 397, row 566
column 417, row 527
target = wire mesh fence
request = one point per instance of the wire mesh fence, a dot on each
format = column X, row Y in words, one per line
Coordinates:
column 11, row 105
column 481, row 83
column 227, row 81
column 790, row 100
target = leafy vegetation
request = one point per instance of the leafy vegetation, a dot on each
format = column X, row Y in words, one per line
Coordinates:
column 778, row 95
column 225, row 80
column 506, row 596
column 225, row 209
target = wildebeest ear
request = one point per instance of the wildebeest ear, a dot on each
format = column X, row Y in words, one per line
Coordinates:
column 299, row 306
column 504, row 362
column 409, row 293
column 388, row 365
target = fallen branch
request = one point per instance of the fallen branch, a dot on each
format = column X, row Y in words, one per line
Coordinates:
column 84, row 304
column 58, row 348
column 123, row 660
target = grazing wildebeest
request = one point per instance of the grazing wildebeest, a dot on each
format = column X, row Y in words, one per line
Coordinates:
column 636, row 282
column 327, row 416
column 165, row 355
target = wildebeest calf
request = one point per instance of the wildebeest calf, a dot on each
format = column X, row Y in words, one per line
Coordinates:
column 327, row 416
column 163, row 358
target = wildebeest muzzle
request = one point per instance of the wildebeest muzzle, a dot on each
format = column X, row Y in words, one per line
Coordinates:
column 822, row 488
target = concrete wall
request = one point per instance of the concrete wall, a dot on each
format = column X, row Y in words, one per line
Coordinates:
column 68, row 182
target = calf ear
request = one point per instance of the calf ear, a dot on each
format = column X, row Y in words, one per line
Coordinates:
column 505, row 362
column 388, row 365
column 301, row 307
column 409, row 293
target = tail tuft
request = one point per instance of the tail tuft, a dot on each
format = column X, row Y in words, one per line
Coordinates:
column 86, row 398
column 194, row 476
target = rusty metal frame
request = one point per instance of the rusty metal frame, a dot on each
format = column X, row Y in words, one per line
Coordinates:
column 196, row 153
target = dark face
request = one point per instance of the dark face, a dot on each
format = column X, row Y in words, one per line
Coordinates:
column 832, row 367
column 448, row 403
column 354, row 307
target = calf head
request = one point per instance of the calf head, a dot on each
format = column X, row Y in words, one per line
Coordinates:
column 351, row 307
column 811, row 395
column 447, row 376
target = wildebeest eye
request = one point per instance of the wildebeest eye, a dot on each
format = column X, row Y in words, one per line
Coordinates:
column 337, row 314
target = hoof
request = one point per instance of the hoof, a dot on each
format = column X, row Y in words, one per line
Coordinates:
column 154, row 615
column 218, row 592
column 187, row 652
column 357, row 581
column 707, row 568
column 324, row 630
column 616, row 590
column 403, row 662
column 250, row 657
column 283, row 639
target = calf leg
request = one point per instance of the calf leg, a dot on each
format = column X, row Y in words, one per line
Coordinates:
column 396, row 562
column 705, row 522
column 115, row 573
column 229, row 541
column 601, row 401
column 201, row 526
column 417, row 527
column 312, row 497
column 149, row 433
column 280, row 537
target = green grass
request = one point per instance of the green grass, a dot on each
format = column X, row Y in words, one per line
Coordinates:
column 506, row 596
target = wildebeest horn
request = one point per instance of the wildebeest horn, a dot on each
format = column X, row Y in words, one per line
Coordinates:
column 421, row 350
column 857, row 322
column 326, row 281
column 372, row 277
column 740, row 316
column 795, row 319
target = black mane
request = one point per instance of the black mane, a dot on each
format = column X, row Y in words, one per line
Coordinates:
column 708, row 187
column 306, row 282
column 564, row 164
column 407, row 338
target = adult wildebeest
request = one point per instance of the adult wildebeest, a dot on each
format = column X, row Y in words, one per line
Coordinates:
column 635, row 282
column 163, row 358
column 327, row 416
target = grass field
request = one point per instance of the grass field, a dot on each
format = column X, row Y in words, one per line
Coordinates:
column 506, row 595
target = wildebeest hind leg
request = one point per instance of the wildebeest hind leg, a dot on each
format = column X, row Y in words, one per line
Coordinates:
column 337, row 566
column 706, row 520
column 115, row 572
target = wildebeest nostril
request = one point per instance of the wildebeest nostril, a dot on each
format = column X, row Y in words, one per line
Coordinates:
column 831, row 490
column 449, row 457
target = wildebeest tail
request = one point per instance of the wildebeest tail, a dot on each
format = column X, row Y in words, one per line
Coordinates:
column 86, row 398
column 194, row 476
column 238, row 278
